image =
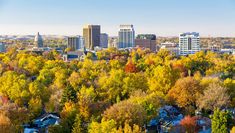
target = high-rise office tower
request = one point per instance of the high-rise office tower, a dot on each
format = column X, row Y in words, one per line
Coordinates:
column 189, row 43
column 104, row 40
column 91, row 34
column 126, row 36
column 146, row 41
column 38, row 41
column 75, row 43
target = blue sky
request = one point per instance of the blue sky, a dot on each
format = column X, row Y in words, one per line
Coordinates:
column 161, row 17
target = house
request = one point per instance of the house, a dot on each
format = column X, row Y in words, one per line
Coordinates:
column 168, row 116
column 42, row 123
column 75, row 55
column 203, row 124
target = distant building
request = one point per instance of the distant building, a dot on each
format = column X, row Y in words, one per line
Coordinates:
column 74, row 55
column 75, row 43
column 146, row 41
column 172, row 47
column 2, row 47
column 91, row 34
column 126, row 36
column 38, row 41
column 227, row 51
column 189, row 43
column 104, row 40
column 113, row 42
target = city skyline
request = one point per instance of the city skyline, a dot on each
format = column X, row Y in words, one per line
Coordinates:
column 163, row 18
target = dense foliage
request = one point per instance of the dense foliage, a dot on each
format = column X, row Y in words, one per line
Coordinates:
column 119, row 92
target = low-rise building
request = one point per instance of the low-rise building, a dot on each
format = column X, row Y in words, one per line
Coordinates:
column 172, row 47
column 74, row 55
column 113, row 42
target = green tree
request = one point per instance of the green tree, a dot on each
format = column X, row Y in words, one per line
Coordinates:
column 220, row 121
column 79, row 126
column 68, row 116
column 69, row 94
column 35, row 107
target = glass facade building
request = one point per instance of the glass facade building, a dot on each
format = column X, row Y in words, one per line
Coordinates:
column 75, row 43
column 91, row 34
column 126, row 36
column 104, row 40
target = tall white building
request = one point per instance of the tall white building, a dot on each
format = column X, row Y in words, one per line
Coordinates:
column 189, row 43
column 76, row 43
column 126, row 36
column 104, row 40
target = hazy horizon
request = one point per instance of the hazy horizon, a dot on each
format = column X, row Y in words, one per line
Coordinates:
column 163, row 18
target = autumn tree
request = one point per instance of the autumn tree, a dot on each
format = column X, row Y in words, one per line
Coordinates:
column 103, row 127
column 15, row 115
column 150, row 102
column 110, row 85
column 86, row 98
column 38, row 89
column 126, row 112
column 5, row 123
column 15, row 87
column 189, row 124
column 68, row 116
column 162, row 79
column 133, row 82
column 215, row 96
column 185, row 93
column 35, row 107
column 61, row 76
column 197, row 62
column 130, row 67
column 232, row 130
column 31, row 63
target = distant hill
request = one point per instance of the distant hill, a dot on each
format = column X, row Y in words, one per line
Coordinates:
column 30, row 37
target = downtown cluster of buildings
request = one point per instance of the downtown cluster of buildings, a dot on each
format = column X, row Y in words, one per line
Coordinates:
column 93, row 39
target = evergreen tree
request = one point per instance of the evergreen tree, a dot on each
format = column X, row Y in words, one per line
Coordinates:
column 78, row 125
column 69, row 94
column 220, row 121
